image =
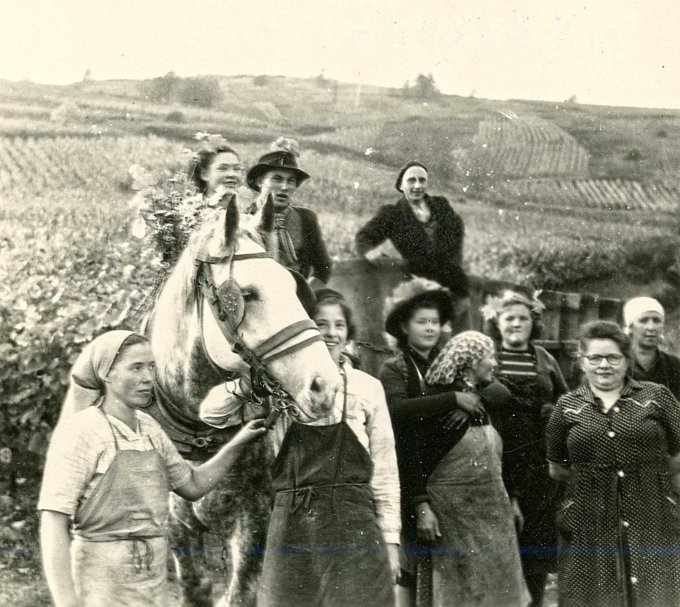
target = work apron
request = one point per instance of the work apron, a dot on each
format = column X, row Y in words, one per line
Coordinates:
column 119, row 550
column 324, row 545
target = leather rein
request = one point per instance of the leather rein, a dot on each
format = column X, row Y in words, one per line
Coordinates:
column 227, row 304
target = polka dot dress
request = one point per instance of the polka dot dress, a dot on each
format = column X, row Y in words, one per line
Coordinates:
column 619, row 522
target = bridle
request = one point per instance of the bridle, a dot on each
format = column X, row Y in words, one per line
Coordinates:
column 227, row 304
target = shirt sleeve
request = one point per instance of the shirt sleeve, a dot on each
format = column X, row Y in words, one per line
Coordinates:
column 70, row 466
column 222, row 406
column 385, row 480
column 404, row 409
column 556, row 436
column 176, row 467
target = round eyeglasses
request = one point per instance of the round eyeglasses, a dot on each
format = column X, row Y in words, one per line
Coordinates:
column 596, row 359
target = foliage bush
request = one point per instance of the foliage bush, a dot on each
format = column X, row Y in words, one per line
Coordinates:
column 176, row 116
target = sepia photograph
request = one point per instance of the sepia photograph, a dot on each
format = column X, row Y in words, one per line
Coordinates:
column 354, row 302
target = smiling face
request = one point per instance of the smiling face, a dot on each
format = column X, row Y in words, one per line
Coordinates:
column 225, row 170
column 333, row 327
column 414, row 184
column 423, row 329
column 130, row 379
column 514, row 325
column 646, row 331
column 281, row 184
column 604, row 364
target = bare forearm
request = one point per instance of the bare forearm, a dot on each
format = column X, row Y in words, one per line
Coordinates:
column 55, row 544
column 206, row 476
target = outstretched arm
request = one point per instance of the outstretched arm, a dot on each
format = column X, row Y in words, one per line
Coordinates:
column 55, row 545
column 206, row 476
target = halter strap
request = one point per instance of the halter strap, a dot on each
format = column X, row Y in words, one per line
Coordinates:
column 287, row 333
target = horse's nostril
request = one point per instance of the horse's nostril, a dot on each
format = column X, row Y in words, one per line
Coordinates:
column 318, row 385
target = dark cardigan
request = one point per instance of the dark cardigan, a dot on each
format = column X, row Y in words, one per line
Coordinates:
column 409, row 402
column 439, row 259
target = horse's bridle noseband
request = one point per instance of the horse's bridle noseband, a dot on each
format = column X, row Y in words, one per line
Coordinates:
column 228, row 307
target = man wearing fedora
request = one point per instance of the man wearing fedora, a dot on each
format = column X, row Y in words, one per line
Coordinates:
column 300, row 244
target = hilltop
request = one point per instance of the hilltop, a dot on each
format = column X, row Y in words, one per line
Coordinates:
column 620, row 142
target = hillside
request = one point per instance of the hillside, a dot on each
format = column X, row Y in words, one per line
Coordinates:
column 554, row 196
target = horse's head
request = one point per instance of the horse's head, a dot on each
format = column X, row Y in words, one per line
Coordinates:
column 234, row 294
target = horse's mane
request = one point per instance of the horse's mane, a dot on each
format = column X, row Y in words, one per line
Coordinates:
column 203, row 241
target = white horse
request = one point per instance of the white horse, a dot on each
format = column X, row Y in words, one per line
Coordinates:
column 225, row 271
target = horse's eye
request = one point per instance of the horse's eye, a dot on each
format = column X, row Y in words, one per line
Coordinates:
column 250, row 295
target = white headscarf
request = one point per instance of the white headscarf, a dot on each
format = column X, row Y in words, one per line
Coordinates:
column 86, row 379
column 638, row 306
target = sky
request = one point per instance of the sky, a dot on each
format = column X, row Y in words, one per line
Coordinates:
column 613, row 52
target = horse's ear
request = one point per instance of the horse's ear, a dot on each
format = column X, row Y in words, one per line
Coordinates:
column 231, row 221
column 267, row 216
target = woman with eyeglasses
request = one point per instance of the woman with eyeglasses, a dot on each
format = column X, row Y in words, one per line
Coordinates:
column 615, row 442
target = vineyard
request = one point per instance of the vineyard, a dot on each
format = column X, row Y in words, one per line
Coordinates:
column 70, row 268
column 509, row 146
column 594, row 193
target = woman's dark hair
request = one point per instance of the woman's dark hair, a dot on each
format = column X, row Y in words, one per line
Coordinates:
column 406, row 167
column 491, row 327
column 202, row 161
column 332, row 300
column 128, row 342
column 604, row 329
column 423, row 304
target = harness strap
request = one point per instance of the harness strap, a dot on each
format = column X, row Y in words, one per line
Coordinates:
column 283, row 336
column 292, row 349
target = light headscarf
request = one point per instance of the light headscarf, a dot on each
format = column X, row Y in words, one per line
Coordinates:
column 638, row 306
column 86, row 379
column 462, row 352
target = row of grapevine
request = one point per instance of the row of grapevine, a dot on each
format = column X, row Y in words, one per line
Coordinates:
column 29, row 164
column 595, row 193
column 509, row 146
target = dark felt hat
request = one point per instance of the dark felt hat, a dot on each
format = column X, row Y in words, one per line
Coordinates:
column 281, row 159
column 411, row 294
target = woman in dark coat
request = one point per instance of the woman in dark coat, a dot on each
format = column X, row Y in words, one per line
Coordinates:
column 416, row 312
column 616, row 442
column 535, row 381
column 426, row 231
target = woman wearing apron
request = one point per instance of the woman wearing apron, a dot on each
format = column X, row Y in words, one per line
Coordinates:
column 108, row 473
column 476, row 559
column 335, row 526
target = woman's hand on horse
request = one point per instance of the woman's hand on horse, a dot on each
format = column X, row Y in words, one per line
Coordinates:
column 427, row 524
column 252, row 430
column 470, row 403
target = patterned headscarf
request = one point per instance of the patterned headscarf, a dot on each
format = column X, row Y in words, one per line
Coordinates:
column 86, row 380
column 462, row 352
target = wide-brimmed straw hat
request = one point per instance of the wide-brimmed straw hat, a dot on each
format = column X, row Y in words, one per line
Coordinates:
column 280, row 159
column 411, row 294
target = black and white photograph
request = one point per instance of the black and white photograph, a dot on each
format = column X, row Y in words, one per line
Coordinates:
column 345, row 303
